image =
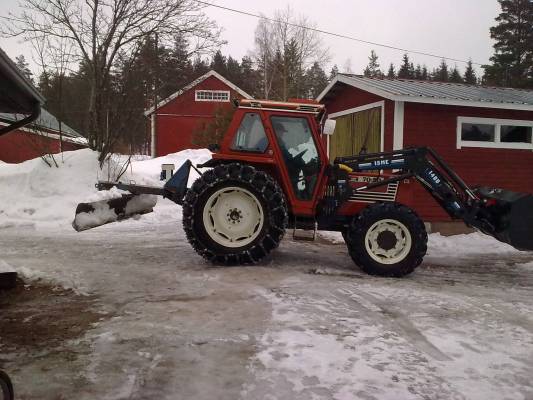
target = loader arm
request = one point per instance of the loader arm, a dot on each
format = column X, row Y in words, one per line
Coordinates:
column 496, row 212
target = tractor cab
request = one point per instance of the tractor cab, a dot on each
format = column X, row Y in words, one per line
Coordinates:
column 284, row 140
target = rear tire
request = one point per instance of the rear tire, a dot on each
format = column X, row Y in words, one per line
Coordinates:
column 234, row 214
column 387, row 239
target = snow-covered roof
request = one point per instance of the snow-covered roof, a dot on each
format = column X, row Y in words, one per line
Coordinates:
column 197, row 82
column 446, row 93
column 46, row 122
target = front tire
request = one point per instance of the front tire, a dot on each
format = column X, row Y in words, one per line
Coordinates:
column 234, row 214
column 387, row 239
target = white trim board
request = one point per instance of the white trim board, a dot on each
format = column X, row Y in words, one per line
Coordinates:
column 420, row 99
column 397, row 143
column 195, row 83
column 497, row 144
column 357, row 109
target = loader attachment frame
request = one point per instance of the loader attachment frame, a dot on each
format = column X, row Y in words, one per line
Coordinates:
column 505, row 215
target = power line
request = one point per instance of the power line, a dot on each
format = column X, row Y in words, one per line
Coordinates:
column 234, row 10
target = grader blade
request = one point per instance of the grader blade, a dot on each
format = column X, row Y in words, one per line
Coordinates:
column 91, row 215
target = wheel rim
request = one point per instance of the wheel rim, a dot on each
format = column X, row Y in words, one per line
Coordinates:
column 388, row 241
column 233, row 217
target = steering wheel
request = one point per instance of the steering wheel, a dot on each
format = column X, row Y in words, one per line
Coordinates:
column 298, row 158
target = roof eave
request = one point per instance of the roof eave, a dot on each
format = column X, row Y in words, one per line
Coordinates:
column 421, row 99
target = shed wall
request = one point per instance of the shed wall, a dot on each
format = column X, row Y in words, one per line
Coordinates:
column 347, row 97
column 436, row 126
column 19, row 146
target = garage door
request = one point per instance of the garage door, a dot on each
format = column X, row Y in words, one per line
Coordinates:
column 356, row 132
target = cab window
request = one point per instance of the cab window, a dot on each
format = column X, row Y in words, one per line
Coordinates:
column 300, row 153
column 250, row 135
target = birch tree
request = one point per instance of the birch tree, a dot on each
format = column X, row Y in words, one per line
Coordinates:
column 100, row 30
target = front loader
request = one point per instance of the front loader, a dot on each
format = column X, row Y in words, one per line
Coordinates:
column 271, row 172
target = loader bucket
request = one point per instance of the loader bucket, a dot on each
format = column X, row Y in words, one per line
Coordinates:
column 514, row 215
column 91, row 215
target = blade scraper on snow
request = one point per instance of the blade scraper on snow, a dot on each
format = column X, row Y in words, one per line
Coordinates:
column 91, row 215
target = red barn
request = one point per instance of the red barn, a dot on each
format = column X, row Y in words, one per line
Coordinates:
column 484, row 133
column 179, row 115
column 41, row 137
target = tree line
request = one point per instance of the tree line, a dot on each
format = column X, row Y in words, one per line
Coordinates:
column 407, row 70
column 99, row 73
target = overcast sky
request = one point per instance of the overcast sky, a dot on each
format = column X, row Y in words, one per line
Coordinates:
column 451, row 28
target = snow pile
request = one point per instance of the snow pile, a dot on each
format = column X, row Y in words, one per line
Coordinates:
column 34, row 194
column 466, row 244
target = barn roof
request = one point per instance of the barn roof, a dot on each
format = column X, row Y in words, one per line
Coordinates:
column 46, row 122
column 435, row 92
column 195, row 83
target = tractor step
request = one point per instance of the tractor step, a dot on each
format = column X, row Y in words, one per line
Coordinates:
column 304, row 230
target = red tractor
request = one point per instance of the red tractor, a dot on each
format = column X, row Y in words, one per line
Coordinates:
column 271, row 172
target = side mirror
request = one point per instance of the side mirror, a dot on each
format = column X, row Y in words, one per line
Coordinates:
column 329, row 127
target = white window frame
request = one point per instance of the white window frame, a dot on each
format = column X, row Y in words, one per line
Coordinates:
column 226, row 92
column 497, row 144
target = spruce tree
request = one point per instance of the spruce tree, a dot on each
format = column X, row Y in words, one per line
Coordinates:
column 250, row 78
column 233, row 71
column 372, row 69
column 455, row 75
column 219, row 63
column 406, row 69
column 425, row 74
column 391, row 74
column 334, row 72
column 22, row 64
column 315, row 81
column 469, row 76
column 512, row 62
column 418, row 72
column 442, row 74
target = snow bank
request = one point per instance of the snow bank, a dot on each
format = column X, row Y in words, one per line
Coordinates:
column 466, row 244
column 34, row 194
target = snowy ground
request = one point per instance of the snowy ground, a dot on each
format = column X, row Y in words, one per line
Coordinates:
column 304, row 324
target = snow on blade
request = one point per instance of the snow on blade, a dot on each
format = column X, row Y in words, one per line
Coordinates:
column 91, row 215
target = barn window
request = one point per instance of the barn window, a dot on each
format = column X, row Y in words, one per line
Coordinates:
column 494, row 133
column 212, row 95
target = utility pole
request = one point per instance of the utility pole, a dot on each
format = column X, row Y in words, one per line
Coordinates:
column 154, row 114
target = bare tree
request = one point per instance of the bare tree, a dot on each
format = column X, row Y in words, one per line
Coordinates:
column 100, row 29
column 291, row 42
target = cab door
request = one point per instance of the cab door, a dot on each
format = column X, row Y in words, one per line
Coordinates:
column 301, row 159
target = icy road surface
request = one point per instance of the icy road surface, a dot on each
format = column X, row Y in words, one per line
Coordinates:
column 303, row 325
